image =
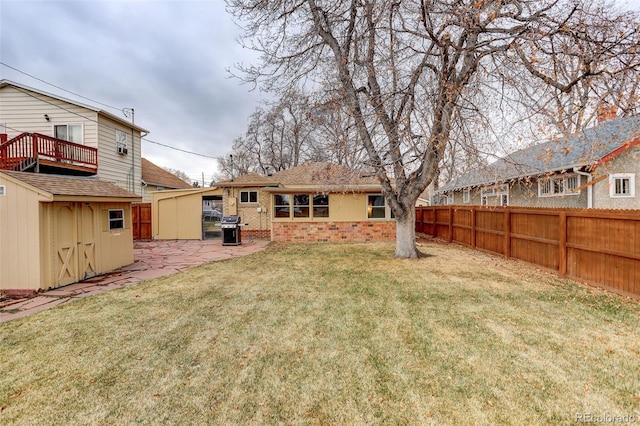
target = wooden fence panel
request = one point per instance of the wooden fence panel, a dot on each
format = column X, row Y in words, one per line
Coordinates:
column 141, row 221
column 596, row 246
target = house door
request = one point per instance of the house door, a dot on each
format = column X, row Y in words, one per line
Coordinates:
column 75, row 242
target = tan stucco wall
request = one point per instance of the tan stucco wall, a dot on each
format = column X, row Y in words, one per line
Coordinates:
column 177, row 214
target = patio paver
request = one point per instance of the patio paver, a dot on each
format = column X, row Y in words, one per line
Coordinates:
column 153, row 259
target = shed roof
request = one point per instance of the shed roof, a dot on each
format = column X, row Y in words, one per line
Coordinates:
column 582, row 149
column 155, row 175
column 72, row 186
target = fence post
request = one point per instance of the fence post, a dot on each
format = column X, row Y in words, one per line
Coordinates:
column 473, row 227
column 450, row 223
column 507, row 232
column 562, row 246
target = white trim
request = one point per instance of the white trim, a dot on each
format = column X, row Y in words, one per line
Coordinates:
column 631, row 177
column 116, row 219
column 559, row 185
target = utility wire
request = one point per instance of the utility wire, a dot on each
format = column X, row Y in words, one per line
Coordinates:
column 58, row 87
column 113, row 128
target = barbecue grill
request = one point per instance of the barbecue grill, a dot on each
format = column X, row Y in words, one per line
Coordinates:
column 231, row 231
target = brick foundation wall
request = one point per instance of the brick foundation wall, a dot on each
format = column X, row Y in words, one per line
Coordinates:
column 265, row 234
column 334, row 231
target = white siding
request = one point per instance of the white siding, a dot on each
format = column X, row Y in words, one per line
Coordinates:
column 123, row 170
column 23, row 111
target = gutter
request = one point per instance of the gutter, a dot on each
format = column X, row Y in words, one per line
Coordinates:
column 589, row 187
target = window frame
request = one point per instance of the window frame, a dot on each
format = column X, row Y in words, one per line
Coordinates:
column 631, row 177
column 466, row 196
column 68, row 125
column 561, row 184
column 293, row 199
column 115, row 220
column 388, row 214
column 249, row 192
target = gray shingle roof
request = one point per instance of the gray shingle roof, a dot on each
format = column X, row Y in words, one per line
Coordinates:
column 72, row 186
column 581, row 149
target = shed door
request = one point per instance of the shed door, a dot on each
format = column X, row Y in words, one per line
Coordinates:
column 75, row 242
column 66, row 241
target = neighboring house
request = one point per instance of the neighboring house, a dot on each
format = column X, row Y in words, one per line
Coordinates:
column 45, row 133
column 311, row 202
column 595, row 168
column 156, row 178
column 57, row 230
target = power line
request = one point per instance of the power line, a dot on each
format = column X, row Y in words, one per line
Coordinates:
column 113, row 128
column 61, row 88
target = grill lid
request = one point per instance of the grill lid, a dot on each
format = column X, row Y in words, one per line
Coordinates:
column 230, row 220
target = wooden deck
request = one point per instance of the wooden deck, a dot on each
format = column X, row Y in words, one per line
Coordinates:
column 33, row 151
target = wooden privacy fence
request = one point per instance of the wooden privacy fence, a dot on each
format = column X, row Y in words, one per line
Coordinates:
column 141, row 221
column 600, row 247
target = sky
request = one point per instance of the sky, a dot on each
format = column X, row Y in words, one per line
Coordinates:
column 167, row 60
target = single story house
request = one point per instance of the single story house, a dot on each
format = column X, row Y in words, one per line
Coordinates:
column 155, row 178
column 311, row 202
column 594, row 168
column 57, row 230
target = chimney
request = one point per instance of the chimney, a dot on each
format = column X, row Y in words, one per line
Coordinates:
column 607, row 112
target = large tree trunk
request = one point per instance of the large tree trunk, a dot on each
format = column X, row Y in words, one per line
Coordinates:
column 406, row 236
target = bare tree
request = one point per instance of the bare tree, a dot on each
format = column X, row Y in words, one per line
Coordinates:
column 408, row 69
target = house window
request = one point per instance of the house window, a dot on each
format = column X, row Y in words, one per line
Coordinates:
column 121, row 141
column 504, row 199
column 466, row 196
column 68, row 132
column 116, row 219
column 483, row 200
column 622, row 185
column 321, row 205
column 377, row 207
column 281, row 204
column 301, row 205
column 558, row 185
column 249, row 197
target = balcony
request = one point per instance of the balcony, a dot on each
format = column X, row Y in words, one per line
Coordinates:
column 44, row 154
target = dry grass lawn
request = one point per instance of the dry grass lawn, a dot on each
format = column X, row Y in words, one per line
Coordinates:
column 329, row 334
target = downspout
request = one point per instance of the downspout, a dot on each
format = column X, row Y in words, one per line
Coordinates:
column 589, row 187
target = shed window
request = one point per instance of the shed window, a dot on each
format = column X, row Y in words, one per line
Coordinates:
column 116, row 219
column 281, row 203
column 622, row 185
column 248, row 197
column 3, row 190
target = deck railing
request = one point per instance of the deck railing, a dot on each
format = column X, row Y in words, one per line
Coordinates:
column 38, row 147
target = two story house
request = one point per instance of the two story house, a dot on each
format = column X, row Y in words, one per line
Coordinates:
column 46, row 133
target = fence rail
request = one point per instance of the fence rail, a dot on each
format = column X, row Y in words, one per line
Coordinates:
column 600, row 247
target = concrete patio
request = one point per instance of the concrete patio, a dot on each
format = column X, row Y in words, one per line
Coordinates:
column 152, row 259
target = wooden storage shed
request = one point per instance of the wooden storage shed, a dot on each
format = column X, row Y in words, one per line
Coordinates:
column 178, row 214
column 57, row 230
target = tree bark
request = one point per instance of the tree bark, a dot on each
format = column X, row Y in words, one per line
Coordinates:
column 406, row 236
